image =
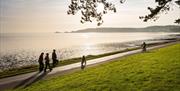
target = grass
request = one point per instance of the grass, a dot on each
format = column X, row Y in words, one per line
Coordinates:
column 156, row 70
column 33, row 68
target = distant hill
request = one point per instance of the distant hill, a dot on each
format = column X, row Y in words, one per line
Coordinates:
column 168, row 28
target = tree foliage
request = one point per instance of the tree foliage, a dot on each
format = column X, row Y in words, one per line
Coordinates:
column 163, row 6
column 89, row 9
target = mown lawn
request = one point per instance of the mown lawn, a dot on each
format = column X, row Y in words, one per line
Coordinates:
column 157, row 70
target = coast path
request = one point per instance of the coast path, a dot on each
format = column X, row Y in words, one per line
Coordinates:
column 25, row 80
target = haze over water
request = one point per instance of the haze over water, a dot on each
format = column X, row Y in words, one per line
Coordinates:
column 20, row 49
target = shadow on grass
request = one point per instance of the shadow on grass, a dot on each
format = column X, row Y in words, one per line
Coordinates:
column 26, row 80
column 42, row 75
column 29, row 81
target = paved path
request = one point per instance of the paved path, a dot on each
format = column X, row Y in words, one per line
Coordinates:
column 27, row 79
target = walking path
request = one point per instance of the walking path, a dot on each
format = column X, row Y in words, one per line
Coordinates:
column 27, row 79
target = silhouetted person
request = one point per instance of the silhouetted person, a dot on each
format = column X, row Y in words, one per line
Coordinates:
column 144, row 47
column 83, row 62
column 41, row 64
column 47, row 64
column 54, row 58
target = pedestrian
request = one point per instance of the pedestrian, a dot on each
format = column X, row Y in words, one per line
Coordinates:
column 83, row 62
column 54, row 58
column 144, row 47
column 41, row 63
column 47, row 64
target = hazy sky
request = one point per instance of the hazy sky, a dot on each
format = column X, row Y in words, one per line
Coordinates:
column 50, row 16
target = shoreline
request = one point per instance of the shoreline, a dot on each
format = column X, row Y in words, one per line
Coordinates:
column 28, row 79
column 33, row 68
column 19, row 57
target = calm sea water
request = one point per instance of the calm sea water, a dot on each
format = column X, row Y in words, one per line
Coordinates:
column 20, row 49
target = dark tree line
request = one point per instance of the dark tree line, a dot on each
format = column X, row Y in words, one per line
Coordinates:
column 89, row 12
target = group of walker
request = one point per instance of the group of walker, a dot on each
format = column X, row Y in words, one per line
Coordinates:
column 55, row 61
column 47, row 61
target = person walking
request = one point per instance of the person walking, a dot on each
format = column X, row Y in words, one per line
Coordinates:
column 144, row 47
column 54, row 58
column 47, row 64
column 41, row 63
column 83, row 62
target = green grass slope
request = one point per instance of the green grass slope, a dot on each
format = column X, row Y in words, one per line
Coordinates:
column 157, row 70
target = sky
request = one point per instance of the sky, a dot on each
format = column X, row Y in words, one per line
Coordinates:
column 21, row 16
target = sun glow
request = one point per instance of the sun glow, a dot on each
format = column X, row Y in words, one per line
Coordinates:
column 85, row 35
column 100, row 8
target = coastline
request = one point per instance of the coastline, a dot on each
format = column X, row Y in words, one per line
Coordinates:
column 33, row 68
column 28, row 79
column 24, row 51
